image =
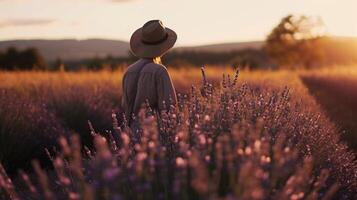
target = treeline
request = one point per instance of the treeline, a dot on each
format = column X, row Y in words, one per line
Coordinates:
column 252, row 58
column 28, row 59
column 96, row 63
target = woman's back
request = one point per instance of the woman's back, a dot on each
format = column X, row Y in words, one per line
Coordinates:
column 146, row 80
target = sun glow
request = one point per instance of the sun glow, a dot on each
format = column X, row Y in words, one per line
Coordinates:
column 196, row 22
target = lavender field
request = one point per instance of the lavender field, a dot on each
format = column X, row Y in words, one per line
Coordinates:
column 256, row 135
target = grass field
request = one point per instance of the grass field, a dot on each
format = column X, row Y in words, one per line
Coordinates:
column 279, row 110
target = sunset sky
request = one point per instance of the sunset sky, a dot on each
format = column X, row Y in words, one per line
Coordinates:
column 195, row 21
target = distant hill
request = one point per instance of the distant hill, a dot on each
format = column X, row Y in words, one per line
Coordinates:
column 223, row 47
column 75, row 50
column 72, row 50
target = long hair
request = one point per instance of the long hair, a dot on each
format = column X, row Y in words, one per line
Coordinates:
column 157, row 60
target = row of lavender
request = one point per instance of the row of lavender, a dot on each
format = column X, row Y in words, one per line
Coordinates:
column 32, row 119
column 231, row 142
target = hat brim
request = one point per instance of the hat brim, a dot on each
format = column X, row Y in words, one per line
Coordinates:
column 143, row 50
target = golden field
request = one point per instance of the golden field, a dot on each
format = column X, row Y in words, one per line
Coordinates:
column 303, row 112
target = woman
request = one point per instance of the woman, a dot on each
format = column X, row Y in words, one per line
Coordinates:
column 147, row 79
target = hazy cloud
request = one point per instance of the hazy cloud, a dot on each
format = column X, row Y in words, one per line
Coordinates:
column 25, row 22
column 114, row 1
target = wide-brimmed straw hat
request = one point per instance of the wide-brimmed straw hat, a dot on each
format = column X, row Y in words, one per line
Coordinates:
column 152, row 40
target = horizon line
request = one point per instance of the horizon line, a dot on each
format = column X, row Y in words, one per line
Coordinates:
column 127, row 41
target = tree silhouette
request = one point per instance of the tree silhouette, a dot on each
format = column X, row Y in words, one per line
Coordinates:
column 28, row 59
column 294, row 42
column 32, row 60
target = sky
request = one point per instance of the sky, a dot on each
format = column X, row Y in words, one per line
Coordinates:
column 196, row 22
